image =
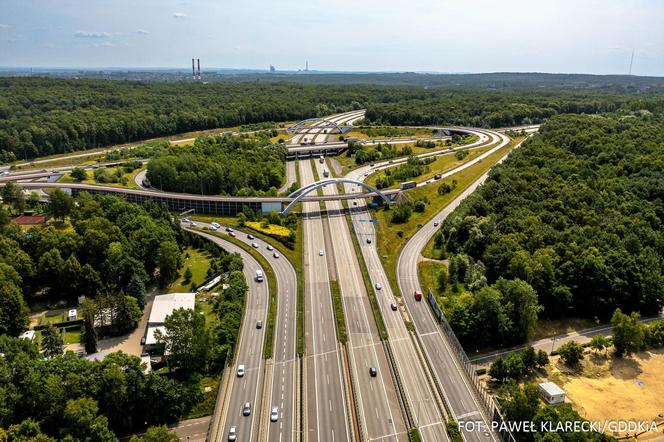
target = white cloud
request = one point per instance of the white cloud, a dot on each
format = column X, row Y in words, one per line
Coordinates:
column 91, row 34
column 106, row 44
column 3, row 26
column 142, row 32
column 179, row 15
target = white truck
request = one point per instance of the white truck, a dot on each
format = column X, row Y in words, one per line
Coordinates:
column 259, row 275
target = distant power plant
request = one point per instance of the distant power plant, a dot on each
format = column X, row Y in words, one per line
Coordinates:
column 196, row 76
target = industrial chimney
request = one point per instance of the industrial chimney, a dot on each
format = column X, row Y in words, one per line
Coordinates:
column 193, row 70
column 199, row 68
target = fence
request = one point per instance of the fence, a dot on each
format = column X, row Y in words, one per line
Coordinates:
column 490, row 407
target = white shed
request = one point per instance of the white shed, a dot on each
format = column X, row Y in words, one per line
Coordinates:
column 71, row 315
column 552, row 393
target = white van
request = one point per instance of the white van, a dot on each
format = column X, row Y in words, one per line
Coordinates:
column 259, row 275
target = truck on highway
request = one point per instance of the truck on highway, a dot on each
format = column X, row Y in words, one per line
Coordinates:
column 259, row 275
column 326, row 173
column 407, row 185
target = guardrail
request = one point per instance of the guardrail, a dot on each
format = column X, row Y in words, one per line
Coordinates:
column 491, row 409
column 396, row 378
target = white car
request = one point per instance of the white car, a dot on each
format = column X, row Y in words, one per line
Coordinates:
column 240, row 370
column 231, row 234
column 193, row 224
column 269, row 247
column 254, row 245
column 214, row 226
column 250, row 236
column 321, row 252
column 232, row 434
column 246, row 410
column 378, row 286
column 275, row 254
column 274, row 414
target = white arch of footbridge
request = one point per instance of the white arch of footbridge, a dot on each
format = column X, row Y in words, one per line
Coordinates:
column 303, row 191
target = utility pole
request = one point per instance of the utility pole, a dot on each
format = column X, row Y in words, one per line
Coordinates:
column 631, row 62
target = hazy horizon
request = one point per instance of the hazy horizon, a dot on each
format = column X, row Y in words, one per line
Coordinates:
column 431, row 36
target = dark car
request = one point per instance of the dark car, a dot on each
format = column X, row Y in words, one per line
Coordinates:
column 373, row 372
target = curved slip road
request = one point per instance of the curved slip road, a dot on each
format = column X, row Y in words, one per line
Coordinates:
column 450, row 375
column 284, row 381
column 249, row 352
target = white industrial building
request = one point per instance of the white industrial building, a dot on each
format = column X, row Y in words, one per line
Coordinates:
column 162, row 306
column 552, row 393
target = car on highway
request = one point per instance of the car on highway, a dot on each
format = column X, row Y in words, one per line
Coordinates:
column 193, row 224
column 393, row 306
column 231, row 234
column 274, row 414
column 232, row 434
column 246, row 410
column 378, row 286
column 186, row 220
column 275, row 254
column 368, row 240
column 269, row 247
column 214, row 226
column 259, row 324
column 321, row 252
column 418, row 295
column 373, row 372
column 435, row 223
column 240, row 370
column 254, row 245
column 250, row 236
column 228, row 229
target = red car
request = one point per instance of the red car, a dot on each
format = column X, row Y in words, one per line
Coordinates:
column 418, row 295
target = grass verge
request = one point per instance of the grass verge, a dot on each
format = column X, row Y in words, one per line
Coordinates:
column 294, row 256
column 378, row 316
column 392, row 237
column 338, row 307
column 427, row 273
column 268, row 346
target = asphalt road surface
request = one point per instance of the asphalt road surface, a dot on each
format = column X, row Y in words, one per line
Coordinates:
column 377, row 396
column 456, row 386
column 326, row 415
column 249, row 352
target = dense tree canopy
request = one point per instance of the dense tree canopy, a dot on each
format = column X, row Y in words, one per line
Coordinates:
column 577, row 214
column 220, row 165
column 42, row 116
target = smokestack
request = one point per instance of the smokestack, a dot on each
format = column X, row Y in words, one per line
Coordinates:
column 193, row 70
column 199, row 68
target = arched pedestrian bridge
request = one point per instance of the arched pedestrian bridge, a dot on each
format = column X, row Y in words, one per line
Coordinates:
column 319, row 123
column 303, row 191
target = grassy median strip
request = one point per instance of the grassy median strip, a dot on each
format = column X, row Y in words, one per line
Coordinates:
column 337, row 305
column 392, row 237
column 268, row 346
column 378, row 316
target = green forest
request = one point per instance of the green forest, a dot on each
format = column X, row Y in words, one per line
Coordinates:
column 44, row 116
column 112, row 252
column 220, row 165
column 575, row 215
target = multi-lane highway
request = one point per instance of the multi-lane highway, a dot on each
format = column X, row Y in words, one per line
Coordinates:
column 325, row 396
column 378, row 403
column 247, row 388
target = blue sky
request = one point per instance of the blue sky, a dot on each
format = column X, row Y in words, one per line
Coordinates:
column 586, row 36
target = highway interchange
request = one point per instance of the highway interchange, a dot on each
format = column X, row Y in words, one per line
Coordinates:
column 419, row 381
